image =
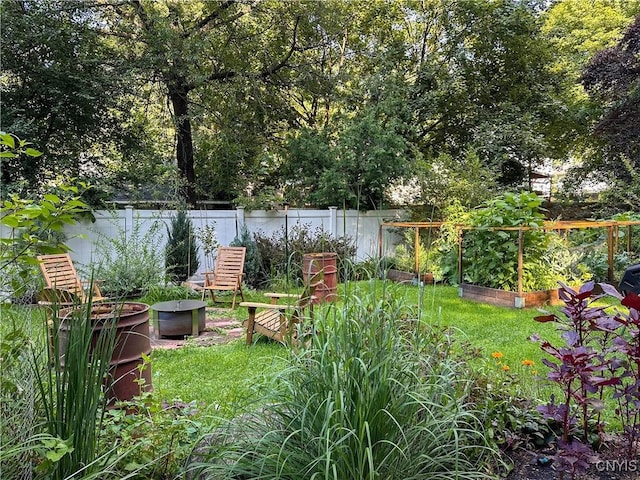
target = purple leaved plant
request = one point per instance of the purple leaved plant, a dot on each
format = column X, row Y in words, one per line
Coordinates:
column 593, row 358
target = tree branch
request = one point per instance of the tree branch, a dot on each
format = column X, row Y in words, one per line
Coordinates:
column 274, row 68
column 266, row 72
column 212, row 16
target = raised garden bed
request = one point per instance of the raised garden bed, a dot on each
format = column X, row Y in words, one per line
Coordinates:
column 506, row 298
column 400, row 276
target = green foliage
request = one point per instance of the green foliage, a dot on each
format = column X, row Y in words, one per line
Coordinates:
column 300, row 239
column 181, row 251
column 130, row 262
column 491, row 255
column 369, row 398
column 155, row 437
column 165, row 293
column 496, row 94
column 577, row 29
column 353, row 161
column 463, row 178
column 69, row 386
column 611, row 80
column 64, row 88
column 209, row 242
column 252, row 259
column 20, row 332
column 369, row 268
column 429, row 258
column 34, row 225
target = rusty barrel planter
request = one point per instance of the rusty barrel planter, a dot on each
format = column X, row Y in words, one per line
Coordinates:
column 312, row 263
column 131, row 321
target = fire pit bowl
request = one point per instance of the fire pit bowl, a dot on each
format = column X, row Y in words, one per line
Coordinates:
column 177, row 318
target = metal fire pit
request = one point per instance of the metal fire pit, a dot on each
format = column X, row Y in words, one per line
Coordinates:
column 178, row 318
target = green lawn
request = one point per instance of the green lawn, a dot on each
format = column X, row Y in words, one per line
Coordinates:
column 224, row 376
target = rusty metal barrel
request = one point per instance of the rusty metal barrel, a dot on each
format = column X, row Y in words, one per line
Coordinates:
column 131, row 320
column 312, row 263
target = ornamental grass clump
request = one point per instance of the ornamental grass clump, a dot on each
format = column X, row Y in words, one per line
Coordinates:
column 69, row 390
column 373, row 394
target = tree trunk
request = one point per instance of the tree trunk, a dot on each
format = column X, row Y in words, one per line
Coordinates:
column 184, row 144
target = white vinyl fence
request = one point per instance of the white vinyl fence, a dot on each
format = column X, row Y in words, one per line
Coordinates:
column 362, row 227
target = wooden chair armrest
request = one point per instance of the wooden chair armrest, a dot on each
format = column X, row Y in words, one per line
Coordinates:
column 282, row 295
column 271, row 306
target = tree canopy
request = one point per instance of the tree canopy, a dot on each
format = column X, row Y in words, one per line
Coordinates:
column 315, row 103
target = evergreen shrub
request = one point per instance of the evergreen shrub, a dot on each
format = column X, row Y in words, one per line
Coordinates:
column 181, row 251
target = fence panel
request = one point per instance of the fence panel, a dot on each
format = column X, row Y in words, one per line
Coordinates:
column 363, row 227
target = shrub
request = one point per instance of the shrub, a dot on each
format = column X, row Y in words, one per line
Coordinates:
column 128, row 263
column 282, row 253
column 492, row 255
column 371, row 397
column 153, row 436
column 34, row 227
column 253, row 273
column 181, row 251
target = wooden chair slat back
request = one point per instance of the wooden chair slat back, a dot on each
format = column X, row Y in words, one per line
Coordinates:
column 229, row 266
column 59, row 273
column 227, row 274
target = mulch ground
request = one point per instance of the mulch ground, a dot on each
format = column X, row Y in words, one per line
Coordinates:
column 611, row 465
column 218, row 330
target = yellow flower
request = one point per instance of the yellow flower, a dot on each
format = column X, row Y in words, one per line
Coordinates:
column 528, row 363
column 505, row 368
column 497, row 355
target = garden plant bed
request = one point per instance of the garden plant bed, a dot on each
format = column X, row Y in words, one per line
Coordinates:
column 504, row 298
column 610, row 465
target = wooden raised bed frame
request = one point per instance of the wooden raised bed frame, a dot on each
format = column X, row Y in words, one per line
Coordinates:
column 504, row 298
column 520, row 298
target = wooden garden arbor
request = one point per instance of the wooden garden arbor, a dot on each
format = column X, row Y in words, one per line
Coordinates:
column 612, row 227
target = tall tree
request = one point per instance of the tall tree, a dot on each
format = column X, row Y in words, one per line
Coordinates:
column 612, row 78
column 484, row 83
column 360, row 147
column 194, row 47
column 61, row 86
column 577, row 30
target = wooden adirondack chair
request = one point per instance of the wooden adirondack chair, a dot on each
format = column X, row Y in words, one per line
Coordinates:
column 63, row 283
column 227, row 274
column 279, row 321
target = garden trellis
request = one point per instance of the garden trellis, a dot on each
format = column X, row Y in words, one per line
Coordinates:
column 613, row 230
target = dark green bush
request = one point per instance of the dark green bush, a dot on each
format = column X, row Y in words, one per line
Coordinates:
column 253, row 273
column 282, row 253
